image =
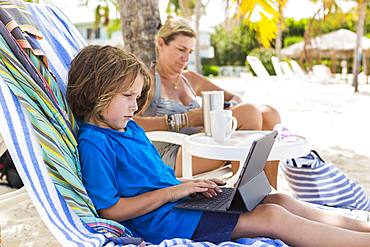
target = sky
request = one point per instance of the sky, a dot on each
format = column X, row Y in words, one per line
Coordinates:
column 215, row 11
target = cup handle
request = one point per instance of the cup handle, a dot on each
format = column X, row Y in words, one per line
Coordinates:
column 234, row 124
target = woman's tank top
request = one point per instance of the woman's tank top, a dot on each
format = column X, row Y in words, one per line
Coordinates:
column 161, row 106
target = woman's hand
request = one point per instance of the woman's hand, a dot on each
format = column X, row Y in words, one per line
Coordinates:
column 195, row 117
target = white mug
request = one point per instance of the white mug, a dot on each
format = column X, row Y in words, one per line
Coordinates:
column 211, row 100
column 223, row 124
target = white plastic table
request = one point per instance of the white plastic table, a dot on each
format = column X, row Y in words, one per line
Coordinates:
column 236, row 149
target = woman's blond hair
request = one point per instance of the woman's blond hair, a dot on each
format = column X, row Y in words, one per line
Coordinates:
column 97, row 74
column 173, row 27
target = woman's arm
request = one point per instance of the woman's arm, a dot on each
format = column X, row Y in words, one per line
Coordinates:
column 201, row 83
column 132, row 207
column 195, row 119
column 152, row 123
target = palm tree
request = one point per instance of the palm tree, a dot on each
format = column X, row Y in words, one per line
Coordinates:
column 139, row 22
column 357, row 54
column 271, row 12
column 278, row 42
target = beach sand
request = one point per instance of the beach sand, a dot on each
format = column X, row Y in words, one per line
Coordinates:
column 331, row 116
column 21, row 225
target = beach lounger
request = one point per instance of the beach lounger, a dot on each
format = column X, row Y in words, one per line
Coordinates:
column 288, row 71
column 261, row 72
column 257, row 66
column 297, row 69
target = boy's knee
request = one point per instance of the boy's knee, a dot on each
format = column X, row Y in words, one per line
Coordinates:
column 278, row 198
column 272, row 215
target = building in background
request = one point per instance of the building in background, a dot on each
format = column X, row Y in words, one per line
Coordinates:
column 83, row 17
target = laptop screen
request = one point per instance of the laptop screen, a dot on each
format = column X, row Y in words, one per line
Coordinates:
column 255, row 160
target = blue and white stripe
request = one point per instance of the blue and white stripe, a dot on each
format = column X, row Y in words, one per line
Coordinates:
column 315, row 181
column 25, row 151
column 61, row 42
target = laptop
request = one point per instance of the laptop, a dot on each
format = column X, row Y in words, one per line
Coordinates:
column 250, row 189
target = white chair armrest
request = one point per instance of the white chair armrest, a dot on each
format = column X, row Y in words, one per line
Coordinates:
column 167, row 136
column 179, row 139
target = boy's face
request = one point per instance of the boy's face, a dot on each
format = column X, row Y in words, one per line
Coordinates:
column 122, row 107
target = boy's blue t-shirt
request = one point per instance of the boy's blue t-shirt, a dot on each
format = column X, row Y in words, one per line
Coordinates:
column 125, row 164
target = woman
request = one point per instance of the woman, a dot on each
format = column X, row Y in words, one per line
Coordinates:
column 174, row 94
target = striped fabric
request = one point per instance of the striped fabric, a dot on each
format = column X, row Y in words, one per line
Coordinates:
column 61, row 40
column 18, row 20
column 58, row 145
column 316, row 181
column 27, row 155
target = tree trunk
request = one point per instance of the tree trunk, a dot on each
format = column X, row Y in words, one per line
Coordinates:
column 278, row 43
column 358, row 51
column 198, row 65
column 139, row 21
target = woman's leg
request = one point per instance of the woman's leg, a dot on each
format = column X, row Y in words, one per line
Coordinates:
column 249, row 117
column 301, row 209
column 270, row 117
column 263, row 117
column 276, row 222
column 200, row 165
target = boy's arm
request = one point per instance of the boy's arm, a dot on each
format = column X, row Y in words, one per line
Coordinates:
column 132, row 207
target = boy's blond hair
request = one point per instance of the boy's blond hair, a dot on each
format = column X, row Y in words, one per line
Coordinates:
column 97, row 74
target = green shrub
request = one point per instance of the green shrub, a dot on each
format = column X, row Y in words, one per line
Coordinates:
column 210, row 70
column 232, row 46
column 292, row 40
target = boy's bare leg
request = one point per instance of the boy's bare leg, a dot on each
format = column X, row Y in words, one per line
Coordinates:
column 276, row 222
column 301, row 209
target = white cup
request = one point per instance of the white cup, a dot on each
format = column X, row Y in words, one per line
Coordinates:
column 211, row 100
column 223, row 124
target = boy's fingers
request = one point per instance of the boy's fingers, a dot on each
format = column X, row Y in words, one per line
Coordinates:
column 206, row 184
column 212, row 192
column 200, row 189
column 207, row 194
column 219, row 181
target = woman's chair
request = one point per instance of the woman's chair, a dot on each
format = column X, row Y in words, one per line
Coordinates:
column 187, row 170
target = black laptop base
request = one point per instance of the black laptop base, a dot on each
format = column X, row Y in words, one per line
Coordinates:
column 214, row 204
column 241, row 203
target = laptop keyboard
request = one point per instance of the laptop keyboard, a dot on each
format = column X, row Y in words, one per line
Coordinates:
column 199, row 201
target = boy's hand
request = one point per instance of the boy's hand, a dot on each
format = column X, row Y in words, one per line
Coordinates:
column 208, row 187
column 215, row 191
